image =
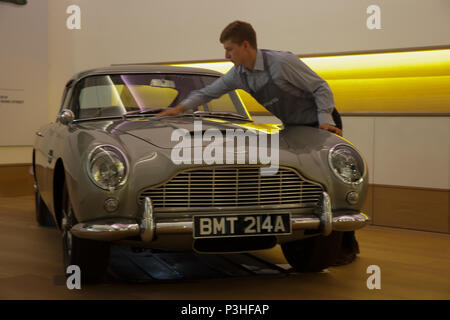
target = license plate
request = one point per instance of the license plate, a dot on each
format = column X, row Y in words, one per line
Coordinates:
column 217, row 226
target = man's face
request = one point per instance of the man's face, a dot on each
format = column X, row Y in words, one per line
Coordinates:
column 237, row 53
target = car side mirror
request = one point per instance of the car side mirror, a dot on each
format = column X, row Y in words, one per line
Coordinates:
column 66, row 117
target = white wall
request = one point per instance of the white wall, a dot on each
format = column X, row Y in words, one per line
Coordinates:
column 403, row 151
column 161, row 30
column 61, row 53
column 23, row 72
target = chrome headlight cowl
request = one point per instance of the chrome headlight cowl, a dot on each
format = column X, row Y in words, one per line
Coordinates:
column 107, row 167
column 346, row 163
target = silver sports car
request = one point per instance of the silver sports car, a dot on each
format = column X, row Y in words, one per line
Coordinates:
column 109, row 171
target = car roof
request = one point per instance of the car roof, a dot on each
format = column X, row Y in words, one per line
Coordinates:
column 142, row 68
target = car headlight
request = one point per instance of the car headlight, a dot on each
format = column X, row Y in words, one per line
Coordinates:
column 107, row 167
column 346, row 163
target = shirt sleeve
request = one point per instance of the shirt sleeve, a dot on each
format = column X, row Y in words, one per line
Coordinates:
column 298, row 74
column 222, row 85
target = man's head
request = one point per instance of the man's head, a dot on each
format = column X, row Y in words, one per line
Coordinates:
column 239, row 42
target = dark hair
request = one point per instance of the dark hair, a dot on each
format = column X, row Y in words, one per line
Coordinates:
column 238, row 32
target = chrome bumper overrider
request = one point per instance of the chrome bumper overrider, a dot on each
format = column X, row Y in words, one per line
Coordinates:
column 118, row 229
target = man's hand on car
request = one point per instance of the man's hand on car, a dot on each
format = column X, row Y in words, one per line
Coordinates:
column 171, row 111
column 329, row 127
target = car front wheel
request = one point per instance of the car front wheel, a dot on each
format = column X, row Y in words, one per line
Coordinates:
column 313, row 254
column 89, row 255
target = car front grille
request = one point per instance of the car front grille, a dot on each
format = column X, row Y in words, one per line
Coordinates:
column 234, row 187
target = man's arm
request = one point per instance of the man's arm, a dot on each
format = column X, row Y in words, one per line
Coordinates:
column 298, row 74
column 222, row 85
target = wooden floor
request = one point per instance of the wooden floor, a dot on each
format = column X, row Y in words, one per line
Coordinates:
column 413, row 264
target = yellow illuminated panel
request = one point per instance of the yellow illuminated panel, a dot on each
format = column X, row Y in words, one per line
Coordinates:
column 262, row 127
column 415, row 81
column 383, row 65
column 409, row 94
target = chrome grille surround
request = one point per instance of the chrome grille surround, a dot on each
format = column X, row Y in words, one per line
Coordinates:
column 233, row 187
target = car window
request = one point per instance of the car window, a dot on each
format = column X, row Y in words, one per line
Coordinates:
column 114, row 95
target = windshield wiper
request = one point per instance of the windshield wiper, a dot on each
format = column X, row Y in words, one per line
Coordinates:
column 145, row 111
column 221, row 114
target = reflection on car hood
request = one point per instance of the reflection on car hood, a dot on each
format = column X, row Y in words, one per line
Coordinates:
column 159, row 131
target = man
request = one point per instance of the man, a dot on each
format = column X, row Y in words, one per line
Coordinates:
column 278, row 80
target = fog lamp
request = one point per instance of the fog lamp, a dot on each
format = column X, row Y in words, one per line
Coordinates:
column 111, row 204
column 352, row 197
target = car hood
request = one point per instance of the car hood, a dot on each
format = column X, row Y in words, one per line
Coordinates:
column 161, row 132
column 301, row 140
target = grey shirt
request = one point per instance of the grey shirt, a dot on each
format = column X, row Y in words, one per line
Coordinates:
column 288, row 72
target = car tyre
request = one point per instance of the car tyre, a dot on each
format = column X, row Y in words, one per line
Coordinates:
column 313, row 254
column 90, row 256
column 44, row 217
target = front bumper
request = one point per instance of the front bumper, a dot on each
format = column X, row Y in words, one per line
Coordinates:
column 147, row 228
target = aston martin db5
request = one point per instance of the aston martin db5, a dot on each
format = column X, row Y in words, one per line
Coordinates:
column 108, row 171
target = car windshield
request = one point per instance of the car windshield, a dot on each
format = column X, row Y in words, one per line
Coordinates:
column 120, row 94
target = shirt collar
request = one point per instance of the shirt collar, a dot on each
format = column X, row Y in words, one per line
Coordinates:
column 259, row 63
